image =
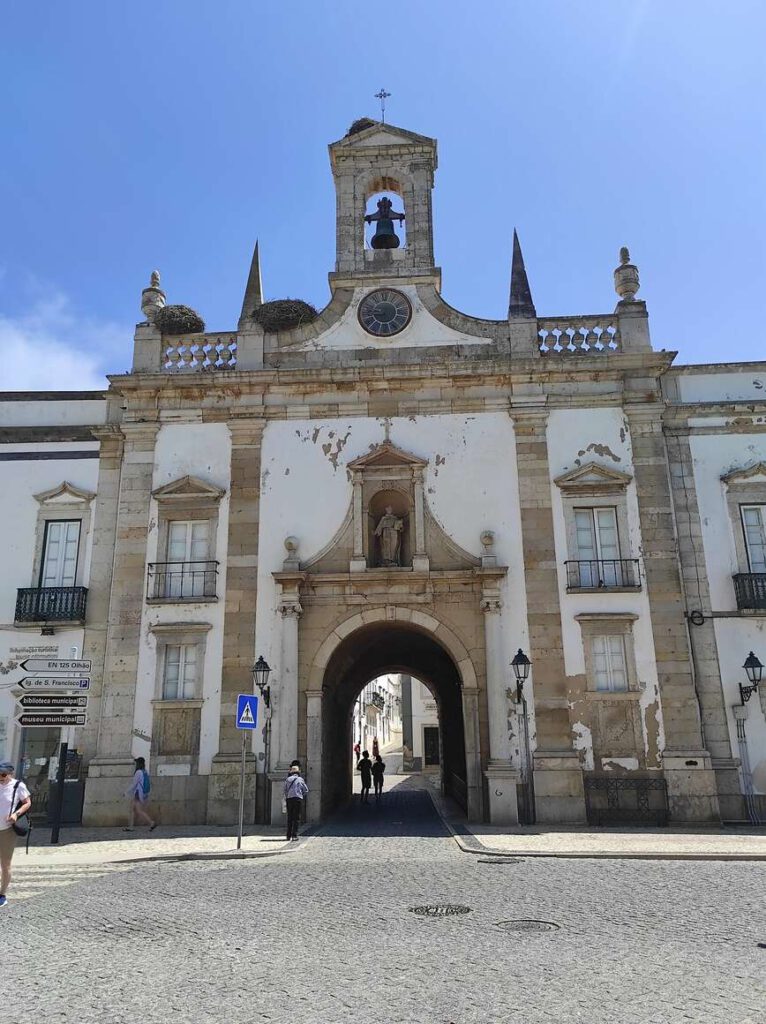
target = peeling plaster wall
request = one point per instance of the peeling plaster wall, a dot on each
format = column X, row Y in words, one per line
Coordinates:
column 204, row 451
column 422, row 330
column 470, row 485
column 714, row 455
column 576, row 437
column 720, row 387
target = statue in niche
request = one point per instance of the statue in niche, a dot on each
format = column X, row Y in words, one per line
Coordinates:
column 389, row 533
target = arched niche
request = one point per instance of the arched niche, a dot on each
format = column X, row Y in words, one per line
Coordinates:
column 399, row 500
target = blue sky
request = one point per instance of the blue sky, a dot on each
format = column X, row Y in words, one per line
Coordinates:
column 170, row 134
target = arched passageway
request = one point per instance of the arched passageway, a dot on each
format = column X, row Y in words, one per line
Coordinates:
column 365, row 654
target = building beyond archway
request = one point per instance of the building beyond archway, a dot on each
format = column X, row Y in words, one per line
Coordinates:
column 371, row 651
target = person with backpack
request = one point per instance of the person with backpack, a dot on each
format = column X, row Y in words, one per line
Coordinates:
column 364, row 767
column 15, row 801
column 378, row 770
column 138, row 794
column 295, row 790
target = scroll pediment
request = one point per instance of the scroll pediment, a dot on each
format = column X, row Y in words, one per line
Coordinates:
column 386, row 454
column 188, row 487
column 65, row 494
column 593, row 477
column 752, row 474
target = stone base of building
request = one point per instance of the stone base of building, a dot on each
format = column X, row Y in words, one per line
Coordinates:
column 559, row 790
column 730, row 799
column 502, row 780
column 106, row 786
column 692, row 789
column 223, row 790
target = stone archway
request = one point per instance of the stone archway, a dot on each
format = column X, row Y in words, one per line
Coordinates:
column 373, row 643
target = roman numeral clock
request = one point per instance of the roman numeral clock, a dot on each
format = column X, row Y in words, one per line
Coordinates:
column 384, row 312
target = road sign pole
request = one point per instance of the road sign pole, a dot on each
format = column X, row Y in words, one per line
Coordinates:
column 242, row 790
column 59, row 806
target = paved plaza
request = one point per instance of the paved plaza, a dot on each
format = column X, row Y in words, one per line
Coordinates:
column 324, row 934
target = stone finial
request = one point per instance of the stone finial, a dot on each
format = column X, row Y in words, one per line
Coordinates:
column 253, row 297
column 152, row 298
column 488, row 557
column 291, row 547
column 520, row 303
column 626, row 282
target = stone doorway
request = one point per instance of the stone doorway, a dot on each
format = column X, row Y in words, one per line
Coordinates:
column 373, row 650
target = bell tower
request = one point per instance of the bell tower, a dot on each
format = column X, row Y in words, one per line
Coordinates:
column 396, row 167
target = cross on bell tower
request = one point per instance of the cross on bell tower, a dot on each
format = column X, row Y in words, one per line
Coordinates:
column 376, row 158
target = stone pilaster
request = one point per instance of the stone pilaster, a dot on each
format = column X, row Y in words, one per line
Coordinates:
column 285, row 699
column 113, row 765
column 559, row 793
column 239, row 615
column 702, row 637
column 687, row 765
column 314, row 754
column 500, row 774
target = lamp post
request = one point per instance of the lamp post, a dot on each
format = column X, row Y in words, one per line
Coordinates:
column 261, row 672
column 521, row 665
column 754, row 670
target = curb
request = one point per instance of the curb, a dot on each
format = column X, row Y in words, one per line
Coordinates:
column 469, row 843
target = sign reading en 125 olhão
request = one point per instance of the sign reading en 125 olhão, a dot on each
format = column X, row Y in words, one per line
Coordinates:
column 53, row 683
column 247, row 711
column 55, row 665
column 49, row 720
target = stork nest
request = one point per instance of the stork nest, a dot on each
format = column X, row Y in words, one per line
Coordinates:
column 360, row 124
column 284, row 314
column 179, row 320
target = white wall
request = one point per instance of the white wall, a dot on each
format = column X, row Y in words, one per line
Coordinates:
column 56, row 412
column 204, row 451
column 576, row 437
column 424, row 714
column 471, row 485
column 714, row 455
column 707, row 385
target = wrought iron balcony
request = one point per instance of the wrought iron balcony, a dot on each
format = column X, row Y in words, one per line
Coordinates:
column 603, row 574
column 750, row 589
column 51, row 604
column 182, row 581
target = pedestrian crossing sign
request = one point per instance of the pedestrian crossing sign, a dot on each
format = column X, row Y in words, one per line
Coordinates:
column 247, row 711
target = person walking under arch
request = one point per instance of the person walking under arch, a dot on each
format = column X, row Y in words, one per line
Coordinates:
column 15, row 801
column 364, row 767
column 295, row 790
column 378, row 770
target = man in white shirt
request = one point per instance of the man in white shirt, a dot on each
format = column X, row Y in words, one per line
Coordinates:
column 14, row 801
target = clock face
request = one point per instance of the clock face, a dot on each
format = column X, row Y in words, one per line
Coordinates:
column 384, row 312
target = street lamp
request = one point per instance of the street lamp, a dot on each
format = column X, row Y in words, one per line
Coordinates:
column 754, row 670
column 520, row 666
column 261, row 673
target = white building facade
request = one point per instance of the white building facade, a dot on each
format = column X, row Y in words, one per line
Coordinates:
column 390, row 486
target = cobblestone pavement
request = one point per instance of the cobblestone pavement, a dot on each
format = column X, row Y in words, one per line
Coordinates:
column 324, row 935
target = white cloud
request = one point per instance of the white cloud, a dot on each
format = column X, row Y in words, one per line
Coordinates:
column 51, row 349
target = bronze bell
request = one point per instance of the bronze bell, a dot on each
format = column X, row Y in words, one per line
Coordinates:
column 385, row 237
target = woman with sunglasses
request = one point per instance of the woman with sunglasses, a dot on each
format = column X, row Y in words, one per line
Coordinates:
column 14, row 801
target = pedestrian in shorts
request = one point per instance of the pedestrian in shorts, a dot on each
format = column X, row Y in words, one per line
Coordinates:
column 15, row 801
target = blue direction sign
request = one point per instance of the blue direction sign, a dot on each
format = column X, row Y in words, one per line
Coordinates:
column 247, row 711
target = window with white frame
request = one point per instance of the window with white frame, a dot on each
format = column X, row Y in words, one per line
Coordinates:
column 610, row 669
column 61, row 547
column 753, row 520
column 186, row 573
column 179, row 679
column 598, row 547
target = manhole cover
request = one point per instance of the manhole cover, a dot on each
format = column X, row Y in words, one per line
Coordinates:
column 440, row 910
column 524, row 925
column 498, row 860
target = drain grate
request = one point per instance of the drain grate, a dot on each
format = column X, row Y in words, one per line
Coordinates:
column 440, row 910
column 499, row 860
column 526, row 925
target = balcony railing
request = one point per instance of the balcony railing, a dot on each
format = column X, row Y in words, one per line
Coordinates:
column 51, row 604
column 750, row 588
column 181, row 581
column 603, row 574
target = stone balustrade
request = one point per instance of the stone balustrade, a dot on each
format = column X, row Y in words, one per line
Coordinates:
column 579, row 335
column 200, row 351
